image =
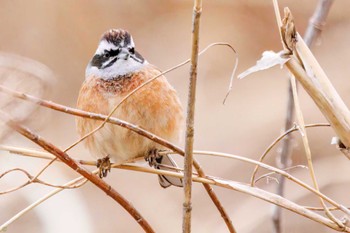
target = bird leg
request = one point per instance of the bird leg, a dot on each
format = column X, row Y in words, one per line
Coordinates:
column 104, row 166
column 153, row 157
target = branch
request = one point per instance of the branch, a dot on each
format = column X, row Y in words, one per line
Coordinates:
column 290, row 38
column 4, row 226
column 48, row 156
column 313, row 31
column 124, row 124
column 78, row 168
column 31, row 180
column 188, row 162
column 220, row 182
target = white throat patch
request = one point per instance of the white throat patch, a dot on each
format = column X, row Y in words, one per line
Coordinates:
column 124, row 63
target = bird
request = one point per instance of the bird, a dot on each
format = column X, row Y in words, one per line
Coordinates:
column 114, row 71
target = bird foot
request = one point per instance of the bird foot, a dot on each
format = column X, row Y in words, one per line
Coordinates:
column 153, row 157
column 104, row 166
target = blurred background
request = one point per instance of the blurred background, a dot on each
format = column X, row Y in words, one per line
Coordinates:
column 63, row 36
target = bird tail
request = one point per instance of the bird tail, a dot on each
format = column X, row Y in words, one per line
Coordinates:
column 164, row 180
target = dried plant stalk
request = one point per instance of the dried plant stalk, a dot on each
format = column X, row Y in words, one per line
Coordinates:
column 138, row 130
column 313, row 32
column 188, row 163
column 78, row 168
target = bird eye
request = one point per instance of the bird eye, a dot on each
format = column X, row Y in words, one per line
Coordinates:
column 132, row 50
column 107, row 54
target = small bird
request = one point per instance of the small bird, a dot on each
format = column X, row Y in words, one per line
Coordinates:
column 114, row 71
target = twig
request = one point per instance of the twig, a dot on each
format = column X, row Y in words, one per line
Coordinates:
column 31, row 179
column 126, row 125
column 148, row 82
column 78, row 168
column 321, row 90
column 36, row 154
column 313, row 31
column 272, row 173
column 4, row 226
column 191, row 102
column 247, row 189
column 284, row 159
column 317, row 22
column 44, row 155
column 289, row 37
column 278, row 139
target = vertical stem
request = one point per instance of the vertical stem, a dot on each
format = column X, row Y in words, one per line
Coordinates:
column 313, row 31
column 187, row 206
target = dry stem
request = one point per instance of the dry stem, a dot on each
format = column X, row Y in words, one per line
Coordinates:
column 288, row 34
column 188, row 162
column 43, row 155
column 140, row 131
column 78, row 168
column 220, row 182
column 313, row 31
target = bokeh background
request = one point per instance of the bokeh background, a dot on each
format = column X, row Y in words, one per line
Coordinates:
column 63, row 35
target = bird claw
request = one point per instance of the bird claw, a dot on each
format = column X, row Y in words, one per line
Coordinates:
column 153, row 157
column 104, row 166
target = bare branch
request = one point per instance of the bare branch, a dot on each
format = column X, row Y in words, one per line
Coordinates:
column 112, row 120
column 191, row 102
column 312, row 33
column 140, row 131
column 78, row 168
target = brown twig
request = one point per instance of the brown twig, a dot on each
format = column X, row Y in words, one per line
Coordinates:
column 268, row 175
column 140, row 131
column 278, row 139
column 147, row 83
column 74, row 182
column 220, row 182
column 48, row 156
column 78, row 168
column 331, row 105
column 313, row 31
column 247, row 189
column 31, row 180
column 188, row 163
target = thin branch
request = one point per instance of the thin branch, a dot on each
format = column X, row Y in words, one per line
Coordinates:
column 148, row 82
column 278, row 139
column 191, row 103
column 31, row 180
column 317, row 22
column 4, row 226
column 316, row 83
column 322, row 209
column 288, row 36
column 267, row 175
column 78, row 168
column 247, row 189
column 38, row 154
column 124, row 124
column 313, row 31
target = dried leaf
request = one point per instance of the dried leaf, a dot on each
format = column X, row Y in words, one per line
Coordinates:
column 268, row 60
column 288, row 31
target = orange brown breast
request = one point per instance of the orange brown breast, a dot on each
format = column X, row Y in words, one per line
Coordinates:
column 155, row 108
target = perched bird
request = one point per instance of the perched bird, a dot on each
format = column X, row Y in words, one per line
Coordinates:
column 114, row 71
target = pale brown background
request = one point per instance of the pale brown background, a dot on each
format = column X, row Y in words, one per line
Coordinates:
column 64, row 34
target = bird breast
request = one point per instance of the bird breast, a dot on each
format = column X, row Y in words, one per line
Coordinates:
column 155, row 108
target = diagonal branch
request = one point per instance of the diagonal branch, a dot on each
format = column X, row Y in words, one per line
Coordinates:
column 312, row 33
column 124, row 124
column 78, row 168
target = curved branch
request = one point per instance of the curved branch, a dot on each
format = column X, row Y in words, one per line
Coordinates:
column 124, row 124
column 78, row 168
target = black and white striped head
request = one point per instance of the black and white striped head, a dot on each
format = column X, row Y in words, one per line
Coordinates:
column 115, row 56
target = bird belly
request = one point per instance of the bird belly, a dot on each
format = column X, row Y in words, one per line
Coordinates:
column 155, row 108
